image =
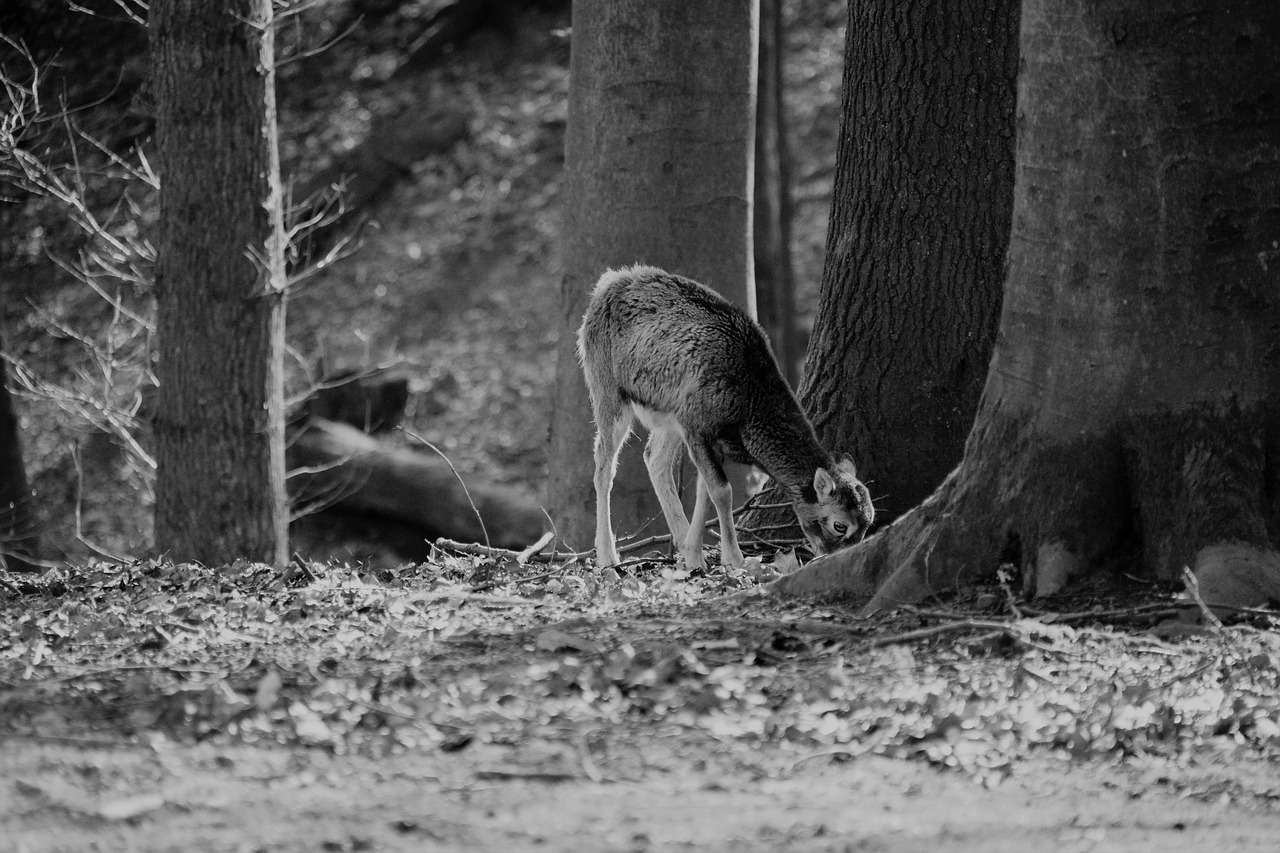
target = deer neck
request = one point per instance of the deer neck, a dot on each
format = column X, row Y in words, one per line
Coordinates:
column 790, row 454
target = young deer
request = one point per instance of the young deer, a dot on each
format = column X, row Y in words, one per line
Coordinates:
column 697, row 370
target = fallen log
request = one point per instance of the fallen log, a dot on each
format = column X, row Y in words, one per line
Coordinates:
column 451, row 27
column 334, row 466
column 372, row 400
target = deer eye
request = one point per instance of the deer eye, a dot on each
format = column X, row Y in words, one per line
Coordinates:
column 840, row 528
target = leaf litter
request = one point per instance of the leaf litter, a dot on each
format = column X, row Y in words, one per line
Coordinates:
column 546, row 673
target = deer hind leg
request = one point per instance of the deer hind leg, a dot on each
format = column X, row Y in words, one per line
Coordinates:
column 612, row 429
column 712, row 477
column 697, row 524
column 660, row 457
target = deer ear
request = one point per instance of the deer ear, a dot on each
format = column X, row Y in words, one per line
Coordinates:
column 823, row 484
column 845, row 464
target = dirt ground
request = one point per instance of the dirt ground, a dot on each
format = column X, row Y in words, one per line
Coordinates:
column 475, row 704
column 197, row 798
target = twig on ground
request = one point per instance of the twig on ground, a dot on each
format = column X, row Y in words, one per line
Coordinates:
column 936, row 631
column 812, row 627
column 462, row 482
column 1010, row 600
column 536, row 548
column 476, row 550
column 527, row 775
column 297, row 566
column 1193, row 589
column 1135, row 611
column 1051, row 618
column 833, row 752
column 924, row 613
column 643, row 543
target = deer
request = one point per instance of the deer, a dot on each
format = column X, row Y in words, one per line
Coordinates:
column 698, row 372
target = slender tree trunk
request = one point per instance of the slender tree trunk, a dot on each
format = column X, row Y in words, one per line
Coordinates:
column 775, row 273
column 219, row 284
column 658, row 170
column 916, row 243
column 1134, row 395
column 19, row 544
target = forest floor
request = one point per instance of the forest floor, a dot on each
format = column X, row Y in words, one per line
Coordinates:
column 481, row 705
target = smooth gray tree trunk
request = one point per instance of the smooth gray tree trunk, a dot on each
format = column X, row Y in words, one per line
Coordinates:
column 658, row 170
column 775, row 272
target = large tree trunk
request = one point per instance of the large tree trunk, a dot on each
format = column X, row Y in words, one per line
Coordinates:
column 219, row 284
column 1133, row 396
column 775, row 273
column 658, row 170
column 19, row 542
column 923, row 191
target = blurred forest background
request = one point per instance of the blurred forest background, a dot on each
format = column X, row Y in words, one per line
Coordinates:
column 452, row 284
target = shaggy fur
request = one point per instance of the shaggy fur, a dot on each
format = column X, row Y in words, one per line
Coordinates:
column 698, row 372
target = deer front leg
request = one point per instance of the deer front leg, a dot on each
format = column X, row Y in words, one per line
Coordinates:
column 712, row 477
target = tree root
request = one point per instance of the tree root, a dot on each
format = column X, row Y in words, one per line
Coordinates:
column 1184, row 490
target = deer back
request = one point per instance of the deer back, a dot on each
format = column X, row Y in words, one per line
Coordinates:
column 675, row 347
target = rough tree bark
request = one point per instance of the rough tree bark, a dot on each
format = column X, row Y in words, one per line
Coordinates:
column 658, row 170
column 1133, row 396
column 219, row 422
column 19, row 543
column 775, row 273
column 916, row 243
